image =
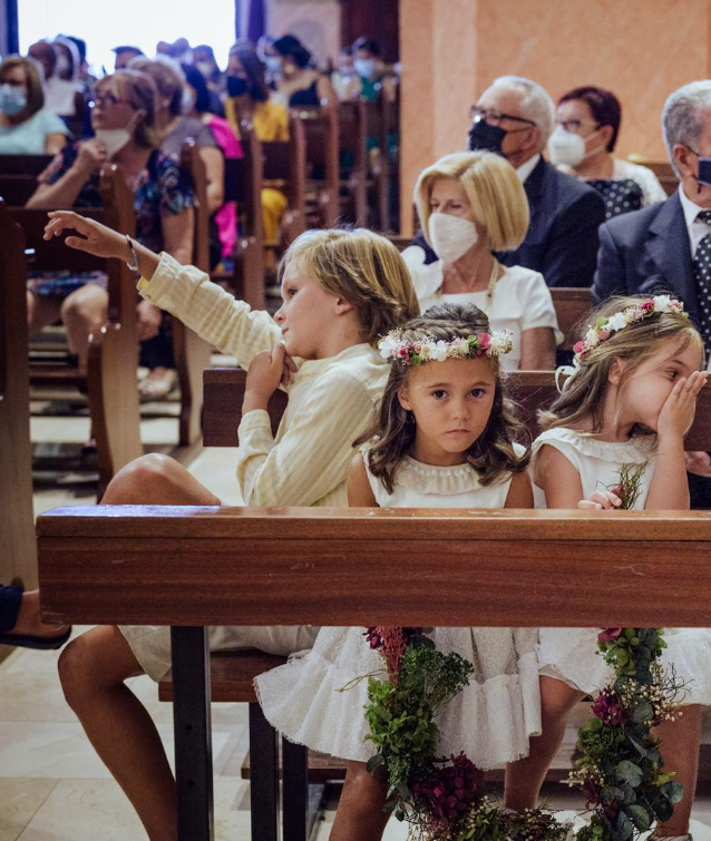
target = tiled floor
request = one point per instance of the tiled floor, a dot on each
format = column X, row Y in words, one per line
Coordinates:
column 53, row 787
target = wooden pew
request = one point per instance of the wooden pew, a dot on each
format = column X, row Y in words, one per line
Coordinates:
column 353, row 136
column 18, row 176
column 662, row 169
column 532, row 390
column 381, row 124
column 18, row 549
column 572, row 307
column 192, row 354
column 285, row 170
column 243, row 184
column 322, row 143
column 110, row 380
column 246, row 566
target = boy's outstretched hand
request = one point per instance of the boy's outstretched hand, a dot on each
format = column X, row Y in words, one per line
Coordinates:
column 269, row 370
column 94, row 238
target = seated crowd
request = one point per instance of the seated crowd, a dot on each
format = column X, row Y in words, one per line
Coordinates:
column 395, row 366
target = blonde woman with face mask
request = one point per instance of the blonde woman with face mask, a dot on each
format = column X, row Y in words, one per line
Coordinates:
column 471, row 205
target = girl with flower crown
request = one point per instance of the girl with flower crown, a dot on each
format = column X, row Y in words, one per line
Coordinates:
column 623, row 412
column 444, row 439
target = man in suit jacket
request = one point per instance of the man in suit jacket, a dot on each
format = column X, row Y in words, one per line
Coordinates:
column 515, row 117
column 636, row 248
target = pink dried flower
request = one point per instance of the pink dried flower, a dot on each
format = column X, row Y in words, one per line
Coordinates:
column 608, row 708
column 609, row 634
column 449, row 793
column 648, row 305
column 484, row 341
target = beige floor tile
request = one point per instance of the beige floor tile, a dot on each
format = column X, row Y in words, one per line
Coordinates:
column 97, row 810
column 34, row 697
column 19, row 801
column 215, row 469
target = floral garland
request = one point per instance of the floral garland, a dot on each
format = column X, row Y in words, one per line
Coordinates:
column 619, row 769
column 394, row 348
column 605, row 327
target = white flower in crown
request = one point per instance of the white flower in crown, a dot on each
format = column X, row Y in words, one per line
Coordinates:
column 388, row 344
column 616, row 322
column 500, row 341
column 439, row 351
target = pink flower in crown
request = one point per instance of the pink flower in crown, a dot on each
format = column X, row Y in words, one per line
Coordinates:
column 609, row 634
column 484, row 341
column 403, row 352
column 603, row 335
column 648, row 305
column 579, row 347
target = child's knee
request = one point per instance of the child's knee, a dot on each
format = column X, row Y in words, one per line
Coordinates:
column 76, row 669
column 557, row 700
column 138, row 479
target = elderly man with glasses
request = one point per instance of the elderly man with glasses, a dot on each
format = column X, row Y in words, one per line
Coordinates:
column 515, row 117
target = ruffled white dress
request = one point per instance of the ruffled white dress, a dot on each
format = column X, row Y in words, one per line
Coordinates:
column 491, row 719
column 570, row 654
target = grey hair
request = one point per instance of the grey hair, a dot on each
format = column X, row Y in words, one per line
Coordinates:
column 537, row 104
column 682, row 117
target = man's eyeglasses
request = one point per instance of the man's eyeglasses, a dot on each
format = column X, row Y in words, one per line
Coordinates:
column 574, row 126
column 493, row 117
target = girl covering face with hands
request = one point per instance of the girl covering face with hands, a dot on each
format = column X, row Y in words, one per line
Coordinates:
column 623, row 411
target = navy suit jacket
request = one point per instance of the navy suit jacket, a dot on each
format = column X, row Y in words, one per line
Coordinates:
column 636, row 248
column 562, row 239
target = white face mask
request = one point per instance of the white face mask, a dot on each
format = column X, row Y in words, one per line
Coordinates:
column 113, row 138
column 116, row 138
column 568, row 149
column 451, row 236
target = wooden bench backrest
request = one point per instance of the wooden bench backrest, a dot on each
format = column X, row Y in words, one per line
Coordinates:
column 192, row 165
column 532, row 390
column 18, row 553
column 353, row 135
column 285, row 169
column 321, row 566
column 18, row 176
column 117, row 213
column 572, row 308
column 322, row 144
column 663, row 170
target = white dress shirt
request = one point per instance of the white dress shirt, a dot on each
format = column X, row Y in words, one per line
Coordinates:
column 526, row 169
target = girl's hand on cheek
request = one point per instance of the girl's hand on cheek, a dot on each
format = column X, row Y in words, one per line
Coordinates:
column 678, row 410
column 269, row 370
column 601, row 500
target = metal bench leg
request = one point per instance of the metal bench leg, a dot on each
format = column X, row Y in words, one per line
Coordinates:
column 193, row 733
column 295, row 787
column 264, row 788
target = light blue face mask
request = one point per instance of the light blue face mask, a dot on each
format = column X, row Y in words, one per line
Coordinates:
column 12, row 100
column 364, row 67
column 273, row 63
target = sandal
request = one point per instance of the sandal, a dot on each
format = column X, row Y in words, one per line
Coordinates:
column 40, row 643
column 157, row 385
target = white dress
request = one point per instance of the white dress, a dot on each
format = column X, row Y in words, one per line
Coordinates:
column 491, row 719
column 570, row 654
column 521, row 300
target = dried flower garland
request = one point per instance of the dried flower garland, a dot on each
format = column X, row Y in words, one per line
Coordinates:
column 620, row 769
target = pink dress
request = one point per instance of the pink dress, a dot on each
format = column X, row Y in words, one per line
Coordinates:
column 226, row 216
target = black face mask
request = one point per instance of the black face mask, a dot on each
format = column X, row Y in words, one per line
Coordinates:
column 485, row 137
column 236, row 86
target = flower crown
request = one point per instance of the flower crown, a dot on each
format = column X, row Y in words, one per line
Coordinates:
column 605, row 327
column 394, row 348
